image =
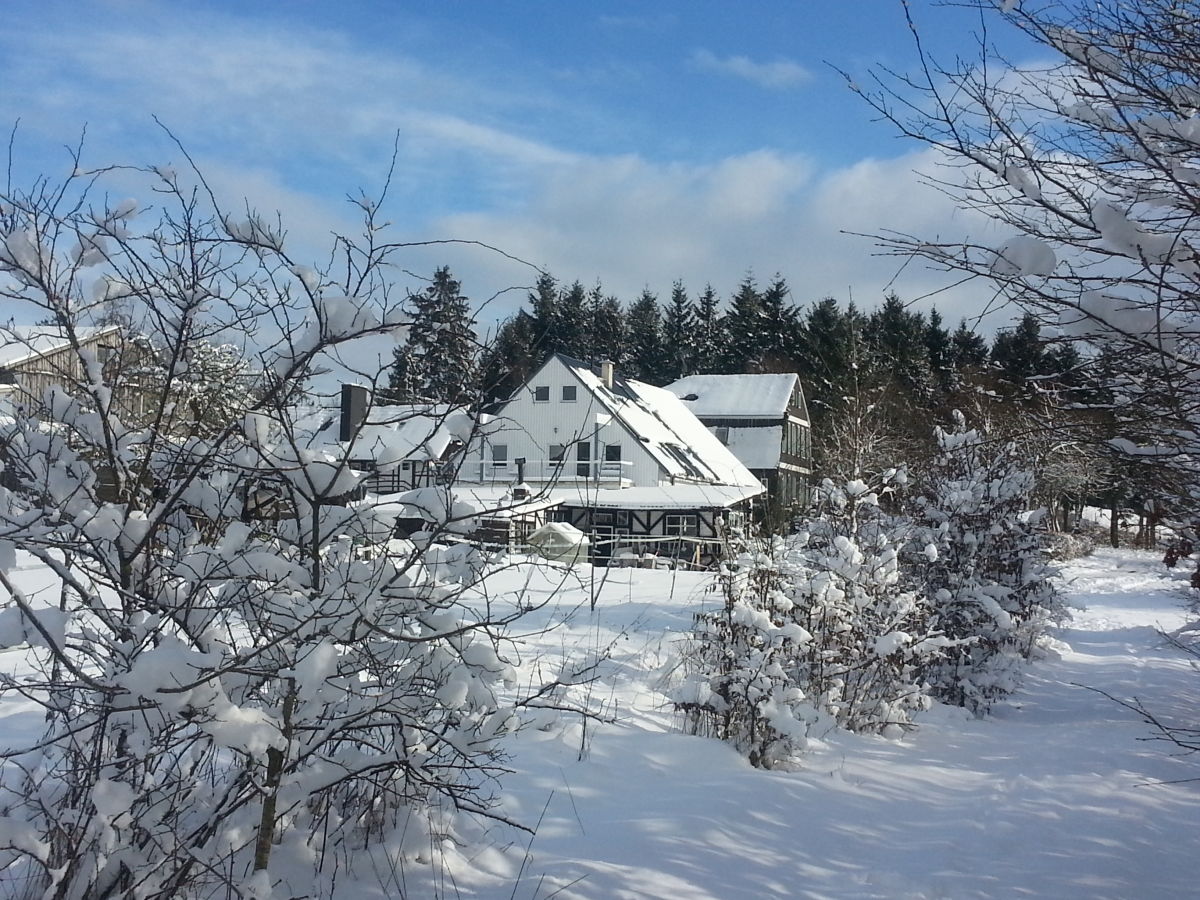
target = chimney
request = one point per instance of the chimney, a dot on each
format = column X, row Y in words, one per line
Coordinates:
column 520, row 461
column 355, row 398
column 606, row 373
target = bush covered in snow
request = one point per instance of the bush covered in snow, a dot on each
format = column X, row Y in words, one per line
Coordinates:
column 869, row 613
column 740, row 661
column 986, row 583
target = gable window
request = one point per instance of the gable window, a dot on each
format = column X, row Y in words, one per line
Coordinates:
column 541, row 393
column 612, row 452
column 723, row 434
column 568, row 393
column 499, row 456
column 557, row 452
column 681, row 524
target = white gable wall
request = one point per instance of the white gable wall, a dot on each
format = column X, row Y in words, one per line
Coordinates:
column 528, row 427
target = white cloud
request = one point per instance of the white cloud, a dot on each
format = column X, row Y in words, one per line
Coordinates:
column 295, row 119
column 780, row 73
column 632, row 223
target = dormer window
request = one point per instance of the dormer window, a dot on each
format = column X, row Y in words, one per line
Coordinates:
column 541, row 393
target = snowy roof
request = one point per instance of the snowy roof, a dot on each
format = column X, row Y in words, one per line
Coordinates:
column 391, row 434
column 20, row 343
column 736, row 396
column 665, row 496
column 757, row 448
column 678, row 441
column 464, row 501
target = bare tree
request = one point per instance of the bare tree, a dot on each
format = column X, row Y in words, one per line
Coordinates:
column 1092, row 165
column 244, row 676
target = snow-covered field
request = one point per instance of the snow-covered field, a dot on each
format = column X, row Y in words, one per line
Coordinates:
column 1057, row 794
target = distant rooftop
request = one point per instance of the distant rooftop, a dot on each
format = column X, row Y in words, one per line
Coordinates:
column 19, row 343
column 735, row 396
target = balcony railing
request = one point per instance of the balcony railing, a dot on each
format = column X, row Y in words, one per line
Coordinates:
column 613, row 473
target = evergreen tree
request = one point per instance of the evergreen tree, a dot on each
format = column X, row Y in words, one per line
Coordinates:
column 1019, row 355
column 607, row 330
column 778, row 332
column 437, row 362
column 969, row 351
column 829, row 351
column 679, row 335
column 743, row 326
column 571, row 331
column 940, row 353
column 543, row 314
column 897, row 335
column 710, row 332
column 646, row 357
column 510, row 360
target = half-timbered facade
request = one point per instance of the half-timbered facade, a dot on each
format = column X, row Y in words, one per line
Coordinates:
column 635, row 470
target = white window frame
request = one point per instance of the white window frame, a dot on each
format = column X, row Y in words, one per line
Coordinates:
column 574, row 389
column 541, row 393
column 681, row 524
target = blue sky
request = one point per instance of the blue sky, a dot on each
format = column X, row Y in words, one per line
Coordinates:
column 633, row 143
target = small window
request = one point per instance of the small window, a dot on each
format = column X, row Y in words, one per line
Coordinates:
column 541, row 393
column 723, row 434
column 612, row 452
column 499, row 455
column 568, row 395
column 557, row 452
column 681, row 525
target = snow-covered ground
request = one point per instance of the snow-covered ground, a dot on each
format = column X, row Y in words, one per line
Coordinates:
column 1057, row 794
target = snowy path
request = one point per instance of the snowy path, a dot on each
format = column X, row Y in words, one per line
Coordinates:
column 1053, row 796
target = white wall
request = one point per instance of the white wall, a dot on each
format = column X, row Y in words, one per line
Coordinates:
column 529, row 427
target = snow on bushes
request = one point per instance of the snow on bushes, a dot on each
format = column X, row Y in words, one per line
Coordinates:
column 868, row 613
column 989, row 588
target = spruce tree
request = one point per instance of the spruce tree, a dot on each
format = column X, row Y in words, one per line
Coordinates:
column 940, row 354
column 608, row 334
column 897, row 336
column 827, row 356
column 437, row 362
column 646, row 339
column 1019, row 355
column 510, row 360
column 543, row 315
column 778, row 329
column 743, row 326
column 679, row 335
column 710, row 332
column 571, row 332
column 969, row 351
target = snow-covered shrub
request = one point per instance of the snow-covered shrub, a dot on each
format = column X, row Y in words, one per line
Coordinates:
column 233, row 699
column 1061, row 546
column 739, row 659
column 820, row 626
column 981, row 565
column 872, row 637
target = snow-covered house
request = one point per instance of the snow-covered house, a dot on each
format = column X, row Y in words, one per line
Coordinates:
column 634, row 468
column 763, row 420
column 397, row 447
column 36, row 357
